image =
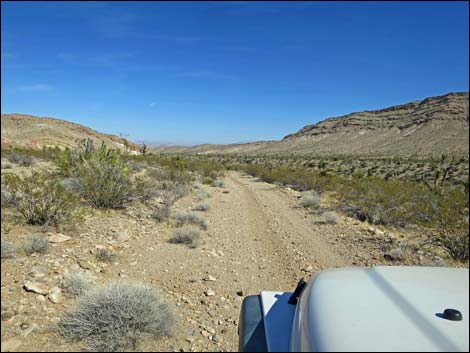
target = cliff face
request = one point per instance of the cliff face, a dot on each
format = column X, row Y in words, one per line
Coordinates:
column 433, row 125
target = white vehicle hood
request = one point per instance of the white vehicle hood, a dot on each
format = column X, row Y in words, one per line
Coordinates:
column 383, row 309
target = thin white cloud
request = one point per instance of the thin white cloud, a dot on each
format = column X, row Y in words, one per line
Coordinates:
column 36, row 87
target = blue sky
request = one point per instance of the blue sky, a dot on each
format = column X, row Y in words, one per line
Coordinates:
column 225, row 72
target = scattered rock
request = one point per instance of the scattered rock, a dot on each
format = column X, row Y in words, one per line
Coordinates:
column 85, row 265
column 55, row 296
column 34, row 328
column 309, row 268
column 38, row 271
column 7, row 315
column 121, row 237
column 209, row 278
column 240, row 293
column 209, row 292
column 217, row 339
column 59, row 238
column 36, row 287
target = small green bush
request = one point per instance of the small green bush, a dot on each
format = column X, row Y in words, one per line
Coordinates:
column 40, row 198
column 115, row 317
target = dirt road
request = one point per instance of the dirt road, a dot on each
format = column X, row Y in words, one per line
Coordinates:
column 258, row 238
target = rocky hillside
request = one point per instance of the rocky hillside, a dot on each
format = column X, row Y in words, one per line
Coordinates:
column 20, row 130
column 431, row 126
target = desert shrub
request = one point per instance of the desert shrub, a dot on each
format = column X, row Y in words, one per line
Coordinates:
column 183, row 218
column 186, row 235
column 208, row 181
column 106, row 184
column 330, row 217
column 115, row 317
column 22, row 160
column 457, row 246
column 9, row 198
column 218, row 184
column 36, row 244
column 7, row 249
column 77, row 283
column 171, row 190
column 310, row 199
column 201, row 207
column 72, row 185
column 105, row 255
column 41, row 199
column 161, row 213
column 202, row 195
column 6, row 166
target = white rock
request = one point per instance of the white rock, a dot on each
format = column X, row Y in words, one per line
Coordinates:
column 209, row 292
column 55, row 296
column 36, row 287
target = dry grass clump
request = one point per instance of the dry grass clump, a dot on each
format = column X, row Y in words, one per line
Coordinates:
column 105, row 255
column 78, row 283
column 310, row 199
column 203, row 207
column 329, row 217
column 117, row 316
column 36, row 244
column 183, row 218
column 186, row 235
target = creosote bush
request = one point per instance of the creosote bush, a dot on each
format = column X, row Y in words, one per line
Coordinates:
column 186, row 235
column 36, row 244
column 116, row 317
column 40, row 198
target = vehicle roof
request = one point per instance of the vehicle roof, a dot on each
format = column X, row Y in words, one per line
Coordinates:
column 383, row 309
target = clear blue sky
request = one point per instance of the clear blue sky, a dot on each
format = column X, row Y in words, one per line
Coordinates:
column 226, row 72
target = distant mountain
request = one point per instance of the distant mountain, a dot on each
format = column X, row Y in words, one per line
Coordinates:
column 431, row 126
column 20, row 130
